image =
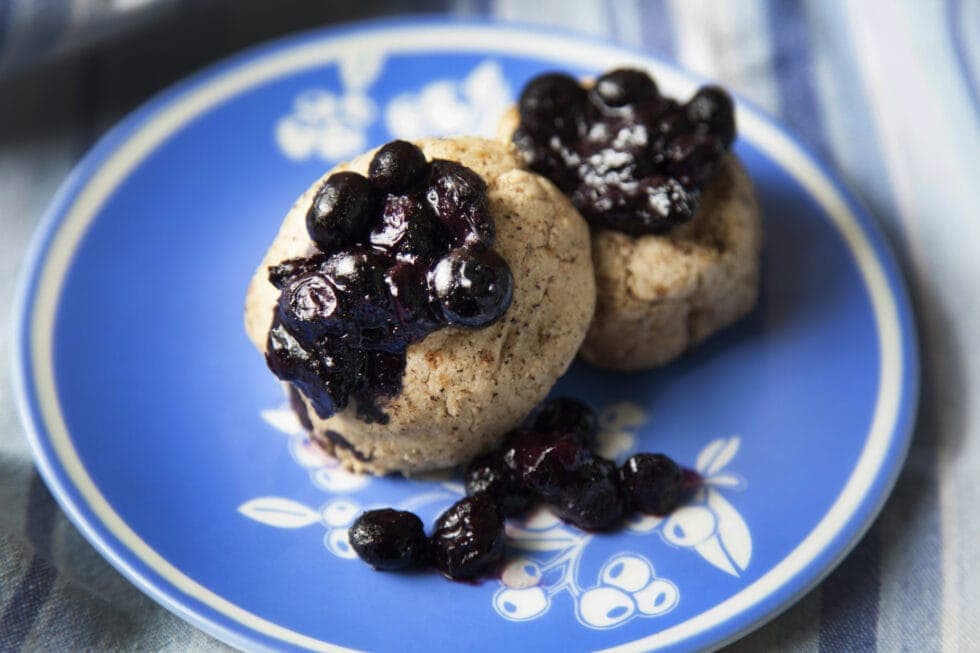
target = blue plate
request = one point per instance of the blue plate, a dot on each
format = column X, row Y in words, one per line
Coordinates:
column 164, row 437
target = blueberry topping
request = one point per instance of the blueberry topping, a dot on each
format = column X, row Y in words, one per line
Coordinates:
column 567, row 415
column 693, row 158
column 628, row 159
column 711, row 108
column 473, row 286
column 401, row 253
column 458, row 197
column 490, row 475
column 653, row 482
column 398, row 166
column 468, row 540
column 388, row 539
column 343, row 211
column 554, row 102
column 624, row 86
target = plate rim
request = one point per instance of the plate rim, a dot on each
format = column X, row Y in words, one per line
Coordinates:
column 162, row 590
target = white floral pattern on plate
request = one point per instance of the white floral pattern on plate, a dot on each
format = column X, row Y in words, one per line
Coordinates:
column 446, row 107
column 329, row 125
column 549, row 551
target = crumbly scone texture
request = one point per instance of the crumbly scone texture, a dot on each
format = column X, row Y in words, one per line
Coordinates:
column 660, row 295
column 464, row 389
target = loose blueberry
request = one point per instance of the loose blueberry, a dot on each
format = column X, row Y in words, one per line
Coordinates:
column 388, row 540
column 468, row 540
column 653, row 482
column 593, row 499
column 474, row 286
column 712, row 108
column 567, row 415
column 398, row 166
column 343, row 211
column 489, row 474
column 624, row 86
column 544, row 462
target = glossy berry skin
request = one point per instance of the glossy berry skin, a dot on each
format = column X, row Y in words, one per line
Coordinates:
column 458, row 199
column 629, row 159
column 592, row 499
column 408, row 232
column 474, row 287
column 653, row 483
column 489, row 474
column 398, row 166
column 389, row 540
column 711, row 108
column 468, row 540
column 567, row 415
column 545, row 463
column 343, row 211
column 624, row 86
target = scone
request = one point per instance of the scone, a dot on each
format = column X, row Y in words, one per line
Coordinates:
column 676, row 227
column 490, row 291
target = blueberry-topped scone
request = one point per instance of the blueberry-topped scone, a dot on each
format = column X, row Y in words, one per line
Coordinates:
column 676, row 230
column 420, row 300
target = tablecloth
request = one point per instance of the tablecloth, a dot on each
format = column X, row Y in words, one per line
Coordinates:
column 886, row 91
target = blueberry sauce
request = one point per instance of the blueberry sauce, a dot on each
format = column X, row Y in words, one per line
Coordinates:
column 549, row 461
column 403, row 252
column 628, row 158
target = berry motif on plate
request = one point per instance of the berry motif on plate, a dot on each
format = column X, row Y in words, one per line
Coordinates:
column 332, row 126
column 543, row 554
column 447, row 107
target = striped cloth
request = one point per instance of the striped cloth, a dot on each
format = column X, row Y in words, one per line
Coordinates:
column 887, row 91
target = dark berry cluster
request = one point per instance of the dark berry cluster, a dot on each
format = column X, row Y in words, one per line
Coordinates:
column 629, row 158
column 550, row 461
column 402, row 252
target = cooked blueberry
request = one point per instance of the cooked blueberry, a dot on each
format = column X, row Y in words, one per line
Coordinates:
column 692, row 159
column 280, row 274
column 625, row 86
column 388, row 540
column 653, row 482
column 359, row 275
column 458, row 197
column 712, row 108
column 544, row 462
column 593, row 499
column 488, row 473
column 474, row 286
column 622, row 163
column 666, row 203
column 398, row 166
column 343, row 211
column 468, row 540
column 308, row 305
column 567, row 415
column 407, row 231
column 326, row 374
column 410, row 295
column 552, row 102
